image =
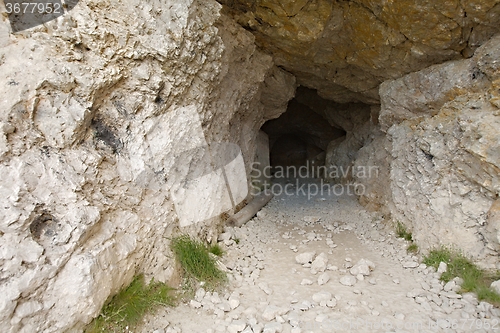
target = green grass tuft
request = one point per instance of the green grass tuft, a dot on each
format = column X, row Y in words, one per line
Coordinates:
column 196, row 261
column 126, row 309
column 216, row 249
column 401, row 232
column 474, row 279
column 412, row 248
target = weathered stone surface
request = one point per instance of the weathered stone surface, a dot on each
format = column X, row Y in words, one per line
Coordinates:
column 444, row 170
column 96, row 113
column 305, row 257
column 346, row 49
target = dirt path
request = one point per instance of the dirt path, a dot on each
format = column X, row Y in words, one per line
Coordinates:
column 270, row 292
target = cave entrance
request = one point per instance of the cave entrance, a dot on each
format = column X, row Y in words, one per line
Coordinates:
column 300, row 137
column 317, row 138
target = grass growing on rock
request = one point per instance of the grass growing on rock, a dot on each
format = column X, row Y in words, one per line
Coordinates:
column 196, row 261
column 216, row 249
column 474, row 279
column 127, row 308
column 412, row 248
column 401, row 232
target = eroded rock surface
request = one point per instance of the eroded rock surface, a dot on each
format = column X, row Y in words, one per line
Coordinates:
column 442, row 124
column 96, row 111
column 345, row 49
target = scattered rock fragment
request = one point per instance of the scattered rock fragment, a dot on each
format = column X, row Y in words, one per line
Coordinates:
column 304, row 258
column 319, row 264
column 348, row 280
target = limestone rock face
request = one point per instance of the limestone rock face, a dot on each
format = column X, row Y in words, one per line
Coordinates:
column 345, row 49
column 101, row 117
column 445, row 165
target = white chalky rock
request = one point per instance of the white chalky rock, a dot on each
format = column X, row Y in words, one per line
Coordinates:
column 410, row 264
column 322, row 296
column 195, row 304
column 311, row 219
column 273, row 327
column 496, row 286
column 348, row 280
column 224, row 237
column 236, row 326
column 200, row 293
column 360, row 269
column 450, row 286
column 443, row 267
column 224, row 306
column 306, row 282
column 271, row 311
column 319, row 264
column 233, row 302
column 304, row 258
column 323, row 279
column 363, row 266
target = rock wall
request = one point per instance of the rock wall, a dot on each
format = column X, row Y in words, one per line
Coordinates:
column 345, row 49
column 443, row 151
column 103, row 112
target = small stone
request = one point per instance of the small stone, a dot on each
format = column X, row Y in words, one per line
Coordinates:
column 360, row 269
column 271, row 311
column 195, row 304
column 236, row 326
column 304, row 258
column 450, row 286
column 348, row 280
column 496, row 286
column 414, row 293
column 443, row 267
column 224, row 306
column 273, row 327
column 396, row 281
column 200, row 293
column 322, row 296
column 410, row 264
column 319, row 263
column 306, row 282
column 233, row 302
column 323, row 279
column 312, row 219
